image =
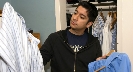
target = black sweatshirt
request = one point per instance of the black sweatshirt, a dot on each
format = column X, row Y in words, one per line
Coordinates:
column 62, row 56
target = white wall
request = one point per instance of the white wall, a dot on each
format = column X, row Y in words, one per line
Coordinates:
column 125, row 26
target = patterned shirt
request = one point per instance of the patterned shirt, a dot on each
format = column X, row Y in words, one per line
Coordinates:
column 114, row 37
column 97, row 28
column 18, row 48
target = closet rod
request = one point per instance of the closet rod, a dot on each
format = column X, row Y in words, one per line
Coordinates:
column 114, row 9
column 105, row 4
column 99, row 4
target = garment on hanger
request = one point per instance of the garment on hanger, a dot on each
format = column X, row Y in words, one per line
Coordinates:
column 0, row 21
column 116, row 62
column 114, row 38
column 107, row 36
column 18, row 48
column 0, row 17
column 97, row 28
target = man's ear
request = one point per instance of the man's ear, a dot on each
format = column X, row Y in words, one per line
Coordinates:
column 89, row 24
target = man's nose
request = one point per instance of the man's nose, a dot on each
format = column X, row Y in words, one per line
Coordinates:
column 75, row 17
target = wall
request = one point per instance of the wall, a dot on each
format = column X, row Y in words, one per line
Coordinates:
column 2, row 2
column 39, row 15
column 125, row 26
column 60, row 12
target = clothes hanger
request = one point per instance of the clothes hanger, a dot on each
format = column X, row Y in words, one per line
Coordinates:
column 112, row 14
column 113, row 21
column 111, row 51
column 101, row 14
column 109, row 13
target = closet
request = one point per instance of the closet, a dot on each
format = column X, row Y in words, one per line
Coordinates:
column 124, row 24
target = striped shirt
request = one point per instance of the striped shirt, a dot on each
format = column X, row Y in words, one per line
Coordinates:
column 17, row 52
column 0, row 22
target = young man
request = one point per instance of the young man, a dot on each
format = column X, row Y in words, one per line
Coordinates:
column 71, row 50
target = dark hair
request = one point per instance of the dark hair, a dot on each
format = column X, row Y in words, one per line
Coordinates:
column 91, row 9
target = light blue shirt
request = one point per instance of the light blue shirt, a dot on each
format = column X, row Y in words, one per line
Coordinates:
column 116, row 62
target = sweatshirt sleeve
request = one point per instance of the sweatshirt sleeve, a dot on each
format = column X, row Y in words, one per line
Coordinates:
column 99, row 50
column 46, row 50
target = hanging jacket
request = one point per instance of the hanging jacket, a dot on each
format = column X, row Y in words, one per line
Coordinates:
column 116, row 62
column 62, row 56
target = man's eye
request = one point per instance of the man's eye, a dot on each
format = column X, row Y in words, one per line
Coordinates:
column 82, row 17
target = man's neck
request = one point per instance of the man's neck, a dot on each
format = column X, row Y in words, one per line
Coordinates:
column 76, row 32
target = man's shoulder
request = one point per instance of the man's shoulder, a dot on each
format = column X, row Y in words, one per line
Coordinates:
column 58, row 33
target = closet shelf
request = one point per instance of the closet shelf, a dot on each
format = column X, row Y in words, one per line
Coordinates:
column 106, row 6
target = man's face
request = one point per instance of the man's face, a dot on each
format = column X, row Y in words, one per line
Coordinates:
column 79, row 19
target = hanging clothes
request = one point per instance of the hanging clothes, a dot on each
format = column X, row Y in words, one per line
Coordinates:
column 18, row 48
column 97, row 28
column 107, row 36
column 0, row 21
column 116, row 62
column 114, row 38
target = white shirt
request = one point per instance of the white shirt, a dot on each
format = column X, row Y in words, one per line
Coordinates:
column 17, row 53
column 107, row 36
column 0, row 22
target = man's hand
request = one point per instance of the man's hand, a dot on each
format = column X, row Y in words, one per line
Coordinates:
column 103, row 57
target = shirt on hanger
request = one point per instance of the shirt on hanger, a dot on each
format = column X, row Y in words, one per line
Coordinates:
column 114, row 37
column 17, row 52
column 107, row 36
column 116, row 62
column 0, row 21
column 97, row 28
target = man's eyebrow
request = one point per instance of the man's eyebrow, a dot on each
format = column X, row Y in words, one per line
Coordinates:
column 80, row 13
column 83, row 15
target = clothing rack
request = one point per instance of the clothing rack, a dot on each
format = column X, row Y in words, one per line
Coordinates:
column 111, row 9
